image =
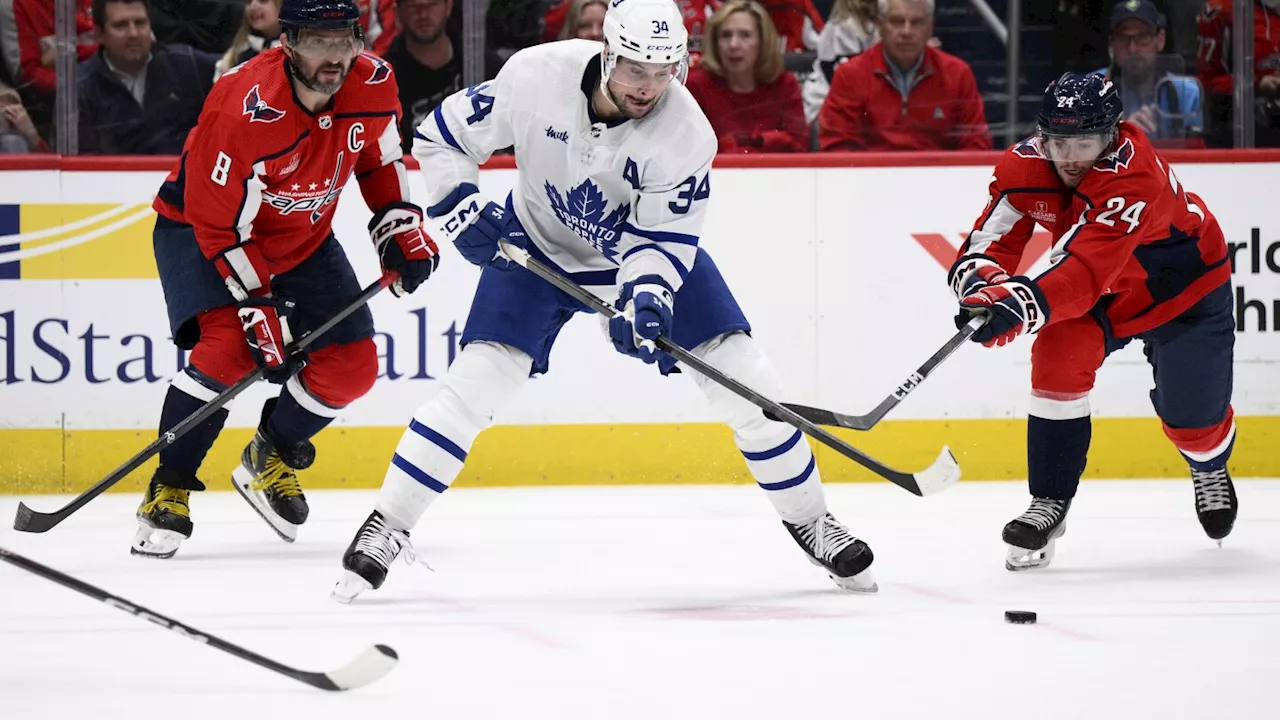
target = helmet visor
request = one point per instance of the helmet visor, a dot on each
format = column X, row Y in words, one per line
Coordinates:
column 1073, row 148
column 333, row 45
column 636, row 75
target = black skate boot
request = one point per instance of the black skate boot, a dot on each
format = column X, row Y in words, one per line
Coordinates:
column 267, row 480
column 164, row 518
column 833, row 548
column 369, row 556
column 1031, row 535
column 1215, row 502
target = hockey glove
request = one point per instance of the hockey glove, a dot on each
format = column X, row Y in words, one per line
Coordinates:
column 646, row 305
column 1016, row 307
column 266, row 327
column 971, row 273
column 474, row 224
column 404, row 246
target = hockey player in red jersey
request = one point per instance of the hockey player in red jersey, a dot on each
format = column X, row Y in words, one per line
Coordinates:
column 248, row 260
column 1135, row 256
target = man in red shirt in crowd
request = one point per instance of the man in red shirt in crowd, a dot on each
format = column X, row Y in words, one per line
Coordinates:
column 903, row 95
column 34, row 20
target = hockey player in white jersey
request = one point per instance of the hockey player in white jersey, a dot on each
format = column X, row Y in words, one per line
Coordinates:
column 614, row 159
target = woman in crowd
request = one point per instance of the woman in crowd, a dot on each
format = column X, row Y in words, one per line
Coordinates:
column 259, row 30
column 752, row 103
column 850, row 30
column 585, row 20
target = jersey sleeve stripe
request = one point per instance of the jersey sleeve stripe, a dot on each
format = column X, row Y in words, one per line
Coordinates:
column 444, row 129
column 242, row 266
column 999, row 221
column 661, row 235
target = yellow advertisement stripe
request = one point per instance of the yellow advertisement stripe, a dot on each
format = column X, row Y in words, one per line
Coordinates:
column 54, row 461
column 122, row 252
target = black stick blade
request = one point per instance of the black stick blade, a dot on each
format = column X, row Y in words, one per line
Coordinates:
column 28, row 520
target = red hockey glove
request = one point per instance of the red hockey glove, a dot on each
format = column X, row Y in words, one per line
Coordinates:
column 1016, row 307
column 404, row 246
column 971, row 273
column 266, row 327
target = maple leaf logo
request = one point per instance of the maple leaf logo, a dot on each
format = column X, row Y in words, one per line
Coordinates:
column 583, row 211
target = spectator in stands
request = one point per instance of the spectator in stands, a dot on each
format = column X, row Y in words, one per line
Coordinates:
column 797, row 23
column 378, row 21
column 902, row 94
column 138, row 97
column 695, row 14
column 34, row 20
column 206, row 25
column 17, row 132
column 427, row 68
column 753, row 105
column 585, row 20
column 259, row 31
column 849, row 31
column 1213, row 67
column 1165, row 105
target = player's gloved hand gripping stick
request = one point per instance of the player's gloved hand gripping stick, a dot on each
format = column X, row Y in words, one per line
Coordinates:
column 913, row 381
column 942, row 474
column 28, row 520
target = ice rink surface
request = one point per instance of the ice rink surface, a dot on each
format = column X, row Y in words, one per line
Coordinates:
column 663, row 602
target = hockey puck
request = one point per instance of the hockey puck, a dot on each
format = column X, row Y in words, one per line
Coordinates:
column 1019, row 617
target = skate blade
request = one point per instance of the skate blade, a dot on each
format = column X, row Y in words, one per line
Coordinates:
column 1020, row 559
column 863, row 582
column 350, row 586
column 286, row 530
column 155, row 543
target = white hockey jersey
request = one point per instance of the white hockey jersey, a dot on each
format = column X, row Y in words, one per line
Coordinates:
column 593, row 195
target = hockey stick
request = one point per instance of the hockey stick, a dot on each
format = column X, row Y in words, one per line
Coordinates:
column 28, row 520
column 372, row 664
column 942, row 474
column 913, row 381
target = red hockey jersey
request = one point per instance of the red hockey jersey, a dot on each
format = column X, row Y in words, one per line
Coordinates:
column 1213, row 45
column 260, row 175
column 1129, row 232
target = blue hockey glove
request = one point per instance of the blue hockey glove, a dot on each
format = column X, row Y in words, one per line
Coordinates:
column 474, row 224
column 1016, row 306
column 646, row 305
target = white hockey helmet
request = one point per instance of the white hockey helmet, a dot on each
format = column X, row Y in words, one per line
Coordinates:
column 646, row 31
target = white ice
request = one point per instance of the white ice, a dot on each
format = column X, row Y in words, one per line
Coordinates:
column 663, row 602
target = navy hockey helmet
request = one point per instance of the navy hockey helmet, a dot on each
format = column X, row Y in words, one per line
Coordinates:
column 298, row 15
column 1079, row 104
column 1083, row 106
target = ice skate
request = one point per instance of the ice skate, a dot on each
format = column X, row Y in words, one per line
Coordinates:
column 369, row 556
column 833, row 548
column 266, row 478
column 1216, row 504
column 1032, row 534
column 164, row 517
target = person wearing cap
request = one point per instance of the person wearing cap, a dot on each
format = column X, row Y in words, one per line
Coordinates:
column 1164, row 104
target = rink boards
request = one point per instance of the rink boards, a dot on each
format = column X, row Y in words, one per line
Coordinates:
column 841, row 271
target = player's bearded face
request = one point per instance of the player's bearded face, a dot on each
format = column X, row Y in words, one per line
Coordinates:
column 636, row 86
column 1073, row 156
column 322, row 59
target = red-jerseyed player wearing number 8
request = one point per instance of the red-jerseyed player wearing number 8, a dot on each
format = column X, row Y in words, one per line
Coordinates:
column 247, row 257
column 1135, row 256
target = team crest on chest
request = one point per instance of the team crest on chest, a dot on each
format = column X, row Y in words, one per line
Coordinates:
column 583, row 211
column 258, row 110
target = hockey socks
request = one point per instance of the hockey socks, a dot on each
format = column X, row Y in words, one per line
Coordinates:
column 788, row 473
column 1056, row 455
column 298, row 415
column 188, row 392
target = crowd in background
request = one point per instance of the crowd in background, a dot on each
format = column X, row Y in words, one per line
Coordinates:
column 771, row 75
